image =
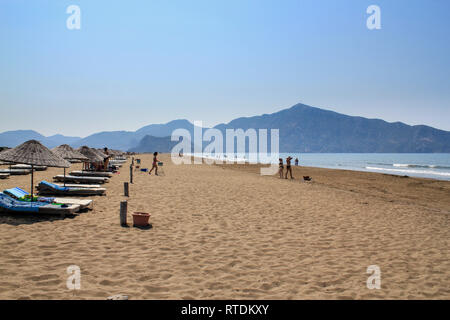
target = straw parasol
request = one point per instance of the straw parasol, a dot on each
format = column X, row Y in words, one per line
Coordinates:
column 67, row 152
column 100, row 153
column 33, row 153
column 90, row 154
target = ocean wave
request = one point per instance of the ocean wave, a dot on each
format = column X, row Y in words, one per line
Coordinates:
column 431, row 166
column 411, row 171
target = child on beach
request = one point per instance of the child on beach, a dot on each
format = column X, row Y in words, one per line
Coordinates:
column 154, row 164
column 281, row 168
column 288, row 167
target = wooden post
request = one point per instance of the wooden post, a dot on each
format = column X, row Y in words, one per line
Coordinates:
column 123, row 213
column 131, row 174
column 126, row 189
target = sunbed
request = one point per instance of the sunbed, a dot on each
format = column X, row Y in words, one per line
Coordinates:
column 4, row 175
column 91, row 174
column 47, row 188
column 28, row 167
column 77, row 185
column 11, row 205
column 80, row 179
column 22, row 195
column 15, row 172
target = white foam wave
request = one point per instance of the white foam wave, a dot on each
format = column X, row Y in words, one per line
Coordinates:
column 410, row 171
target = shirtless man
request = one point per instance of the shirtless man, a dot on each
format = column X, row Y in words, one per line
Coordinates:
column 288, row 167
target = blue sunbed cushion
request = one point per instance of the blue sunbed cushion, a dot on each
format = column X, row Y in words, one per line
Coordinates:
column 16, row 193
column 12, row 204
column 54, row 186
column 20, row 194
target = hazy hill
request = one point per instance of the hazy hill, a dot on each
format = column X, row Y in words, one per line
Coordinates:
column 308, row 129
column 302, row 129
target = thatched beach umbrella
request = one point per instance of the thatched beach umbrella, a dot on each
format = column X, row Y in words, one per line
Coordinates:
column 101, row 153
column 68, row 153
column 90, row 154
column 33, row 153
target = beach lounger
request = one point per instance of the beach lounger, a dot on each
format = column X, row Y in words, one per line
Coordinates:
column 16, row 172
column 4, row 175
column 91, row 174
column 28, row 167
column 11, row 205
column 22, row 195
column 76, row 185
column 47, row 188
column 80, row 179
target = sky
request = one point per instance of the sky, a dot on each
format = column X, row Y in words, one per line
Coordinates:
column 133, row 63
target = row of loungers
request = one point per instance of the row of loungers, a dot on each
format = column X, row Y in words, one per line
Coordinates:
column 22, row 195
column 80, row 179
column 47, row 188
column 11, row 205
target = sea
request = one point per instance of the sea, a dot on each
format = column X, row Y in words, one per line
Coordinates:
column 423, row 165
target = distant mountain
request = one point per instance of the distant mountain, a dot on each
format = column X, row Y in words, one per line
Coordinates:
column 119, row 140
column 152, row 144
column 14, row 138
column 165, row 130
column 59, row 139
column 302, row 129
column 124, row 140
column 308, row 129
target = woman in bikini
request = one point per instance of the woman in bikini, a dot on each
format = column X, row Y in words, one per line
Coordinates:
column 281, row 168
column 154, row 164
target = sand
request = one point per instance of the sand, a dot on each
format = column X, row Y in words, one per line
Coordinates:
column 225, row 232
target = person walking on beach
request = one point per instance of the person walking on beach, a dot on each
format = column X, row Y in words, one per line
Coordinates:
column 154, row 164
column 281, row 168
column 288, row 167
column 296, row 162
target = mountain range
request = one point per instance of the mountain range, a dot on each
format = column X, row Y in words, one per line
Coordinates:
column 302, row 128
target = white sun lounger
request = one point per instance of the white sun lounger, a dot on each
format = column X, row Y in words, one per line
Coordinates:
column 16, row 172
column 76, row 185
column 80, row 179
column 91, row 174
column 28, row 167
column 84, row 204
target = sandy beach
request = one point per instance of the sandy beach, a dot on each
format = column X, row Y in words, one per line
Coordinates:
column 226, row 232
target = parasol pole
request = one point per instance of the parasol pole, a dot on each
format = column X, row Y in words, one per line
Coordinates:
column 64, row 176
column 32, row 176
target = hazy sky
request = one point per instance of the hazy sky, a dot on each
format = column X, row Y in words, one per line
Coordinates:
column 133, row 63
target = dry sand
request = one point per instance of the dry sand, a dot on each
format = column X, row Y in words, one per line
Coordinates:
column 225, row 232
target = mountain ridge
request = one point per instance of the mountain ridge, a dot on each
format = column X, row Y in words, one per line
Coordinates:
column 302, row 129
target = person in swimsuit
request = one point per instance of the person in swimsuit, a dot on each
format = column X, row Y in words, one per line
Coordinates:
column 154, row 164
column 288, row 167
column 296, row 161
column 281, row 168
